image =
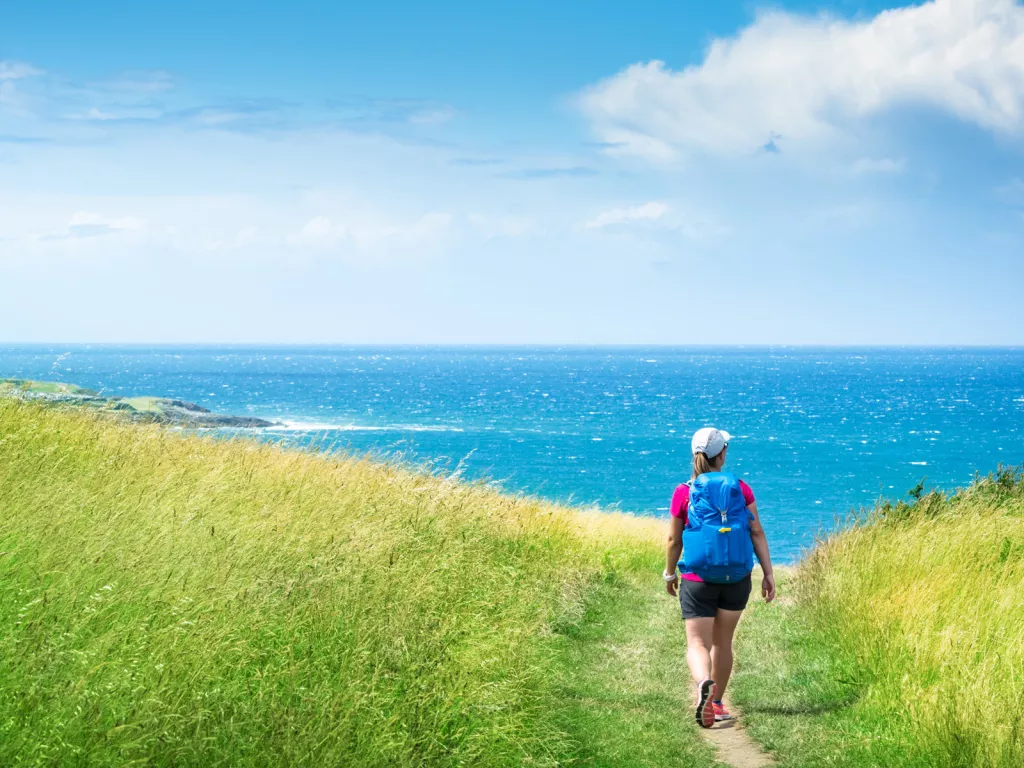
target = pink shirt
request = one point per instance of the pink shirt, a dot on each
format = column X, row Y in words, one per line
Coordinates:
column 681, row 505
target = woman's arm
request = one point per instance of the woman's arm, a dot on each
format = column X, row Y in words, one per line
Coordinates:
column 760, row 542
column 673, row 550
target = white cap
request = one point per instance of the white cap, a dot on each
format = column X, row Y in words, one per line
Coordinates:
column 709, row 441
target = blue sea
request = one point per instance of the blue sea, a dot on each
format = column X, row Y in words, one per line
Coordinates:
column 817, row 432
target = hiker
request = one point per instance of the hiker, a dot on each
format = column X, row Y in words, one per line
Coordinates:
column 715, row 527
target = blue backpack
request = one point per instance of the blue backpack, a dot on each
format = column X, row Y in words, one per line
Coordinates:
column 716, row 540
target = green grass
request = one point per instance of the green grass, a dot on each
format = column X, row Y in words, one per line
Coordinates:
column 42, row 387
column 905, row 644
column 172, row 600
column 143, row 404
column 625, row 682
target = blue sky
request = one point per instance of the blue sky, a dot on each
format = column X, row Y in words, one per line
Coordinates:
column 652, row 172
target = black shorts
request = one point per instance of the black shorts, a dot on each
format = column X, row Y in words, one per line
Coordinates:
column 701, row 599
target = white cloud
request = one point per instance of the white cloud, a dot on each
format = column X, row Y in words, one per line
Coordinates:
column 867, row 165
column 373, row 232
column 88, row 224
column 647, row 212
column 83, row 218
column 805, row 79
column 10, row 73
column 319, row 232
column 93, row 114
column 491, row 227
column 16, row 70
column 435, row 116
column 135, row 83
column 241, row 239
column 428, row 227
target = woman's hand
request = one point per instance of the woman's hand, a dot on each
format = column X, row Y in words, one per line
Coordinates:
column 768, row 587
column 672, row 587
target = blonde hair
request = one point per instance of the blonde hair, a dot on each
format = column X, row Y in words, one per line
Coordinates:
column 702, row 464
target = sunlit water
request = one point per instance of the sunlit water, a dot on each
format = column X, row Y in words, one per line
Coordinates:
column 817, row 432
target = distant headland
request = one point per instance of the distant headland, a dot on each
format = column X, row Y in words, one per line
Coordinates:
column 158, row 410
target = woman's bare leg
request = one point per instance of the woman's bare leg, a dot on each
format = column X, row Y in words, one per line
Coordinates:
column 724, row 628
column 699, row 641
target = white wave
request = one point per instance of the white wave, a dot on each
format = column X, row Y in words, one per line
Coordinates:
column 316, row 426
column 919, row 463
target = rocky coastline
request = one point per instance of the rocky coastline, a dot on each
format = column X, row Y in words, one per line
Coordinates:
column 154, row 410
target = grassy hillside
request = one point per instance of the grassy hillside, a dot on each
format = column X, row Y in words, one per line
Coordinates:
column 905, row 646
column 167, row 599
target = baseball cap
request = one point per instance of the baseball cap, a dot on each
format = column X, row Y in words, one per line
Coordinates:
column 709, row 441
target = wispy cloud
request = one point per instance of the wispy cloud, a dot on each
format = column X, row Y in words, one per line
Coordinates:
column 505, row 226
column 139, row 82
column 10, row 138
column 432, row 116
column 135, row 99
column 476, row 161
column 16, row 70
column 11, row 72
column 364, row 110
column 248, row 114
column 86, row 224
column 866, row 165
column 656, row 216
column 329, row 232
column 93, row 114
column 574, row 171
column 811, row 78
column 652, row 211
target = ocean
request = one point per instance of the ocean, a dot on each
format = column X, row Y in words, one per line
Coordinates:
column 817, row 432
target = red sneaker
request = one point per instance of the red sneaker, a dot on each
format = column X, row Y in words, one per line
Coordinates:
column 721, row 713
column 705, row 709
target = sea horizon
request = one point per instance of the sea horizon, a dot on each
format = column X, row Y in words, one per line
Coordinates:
column 819, row 431
column 495, row 345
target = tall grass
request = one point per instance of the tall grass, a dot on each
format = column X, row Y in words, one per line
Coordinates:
column 174, row 600
column 916, row 619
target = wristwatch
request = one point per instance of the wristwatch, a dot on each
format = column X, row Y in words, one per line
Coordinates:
column 669, row 577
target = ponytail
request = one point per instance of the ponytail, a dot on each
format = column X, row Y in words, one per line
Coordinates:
column 702, row 464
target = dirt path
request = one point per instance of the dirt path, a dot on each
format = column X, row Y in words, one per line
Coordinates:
column 624, row 693
column 734, row 746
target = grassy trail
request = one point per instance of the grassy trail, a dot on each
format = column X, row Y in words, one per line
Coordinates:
column 625, row 685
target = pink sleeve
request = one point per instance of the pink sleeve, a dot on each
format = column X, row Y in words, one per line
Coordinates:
column 680, row 502
column 748, row 495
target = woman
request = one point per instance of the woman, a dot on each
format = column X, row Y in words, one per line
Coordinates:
column 713, row 600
